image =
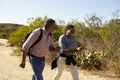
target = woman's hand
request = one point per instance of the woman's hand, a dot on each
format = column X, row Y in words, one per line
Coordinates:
column 80, row 49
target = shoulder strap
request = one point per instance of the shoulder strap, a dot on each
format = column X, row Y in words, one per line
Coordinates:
column 39, row 38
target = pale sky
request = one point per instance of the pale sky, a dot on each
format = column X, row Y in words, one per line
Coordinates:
column 18, row 11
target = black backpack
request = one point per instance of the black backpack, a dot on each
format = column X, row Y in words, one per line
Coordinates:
column 39, row 38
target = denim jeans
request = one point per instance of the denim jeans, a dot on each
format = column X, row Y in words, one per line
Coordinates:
column 37, row 65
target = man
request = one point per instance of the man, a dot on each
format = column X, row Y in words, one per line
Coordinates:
column 38, row 51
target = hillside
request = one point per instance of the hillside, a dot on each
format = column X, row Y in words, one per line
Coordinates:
column 10, row 24
column 7, row 28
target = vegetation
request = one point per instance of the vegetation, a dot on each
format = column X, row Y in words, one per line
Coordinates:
column 7, row 28
column 101, row 40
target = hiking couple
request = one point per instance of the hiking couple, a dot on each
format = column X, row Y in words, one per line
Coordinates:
column 67, row 47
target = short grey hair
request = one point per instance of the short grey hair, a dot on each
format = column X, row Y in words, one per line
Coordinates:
column 49, row 22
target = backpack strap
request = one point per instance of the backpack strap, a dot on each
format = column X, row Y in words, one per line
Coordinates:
column 39, row 38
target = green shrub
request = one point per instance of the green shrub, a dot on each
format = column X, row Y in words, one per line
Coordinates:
column 89, row 60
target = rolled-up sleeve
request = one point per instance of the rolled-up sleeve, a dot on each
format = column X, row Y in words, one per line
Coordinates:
column 30, row 40
column 51, row 42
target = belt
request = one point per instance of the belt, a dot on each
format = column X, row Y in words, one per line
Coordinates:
column 36, row 56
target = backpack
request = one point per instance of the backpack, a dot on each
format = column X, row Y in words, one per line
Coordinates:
column 39, row 38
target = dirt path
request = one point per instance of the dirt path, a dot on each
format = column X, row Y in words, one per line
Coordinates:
column 10, row 70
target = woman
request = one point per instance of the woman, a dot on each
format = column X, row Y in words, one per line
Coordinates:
column 68, row 47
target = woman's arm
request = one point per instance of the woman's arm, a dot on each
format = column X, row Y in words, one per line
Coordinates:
column 73, row 50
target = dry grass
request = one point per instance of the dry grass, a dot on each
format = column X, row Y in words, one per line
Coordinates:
column 10, row 70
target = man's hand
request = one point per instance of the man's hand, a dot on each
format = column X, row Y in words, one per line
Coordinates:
column 22, row 64
column 57, row 48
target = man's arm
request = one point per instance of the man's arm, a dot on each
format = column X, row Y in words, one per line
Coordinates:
column 22, row 64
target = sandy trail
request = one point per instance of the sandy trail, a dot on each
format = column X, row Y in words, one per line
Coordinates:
column 10, row 70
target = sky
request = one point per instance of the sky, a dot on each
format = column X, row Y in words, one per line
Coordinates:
column 18, row 11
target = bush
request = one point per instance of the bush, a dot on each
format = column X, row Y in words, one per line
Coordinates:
column 89, row 60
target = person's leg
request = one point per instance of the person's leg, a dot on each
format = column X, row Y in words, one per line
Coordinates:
column 37, row 66
column 60, row 66
column 74, row 72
